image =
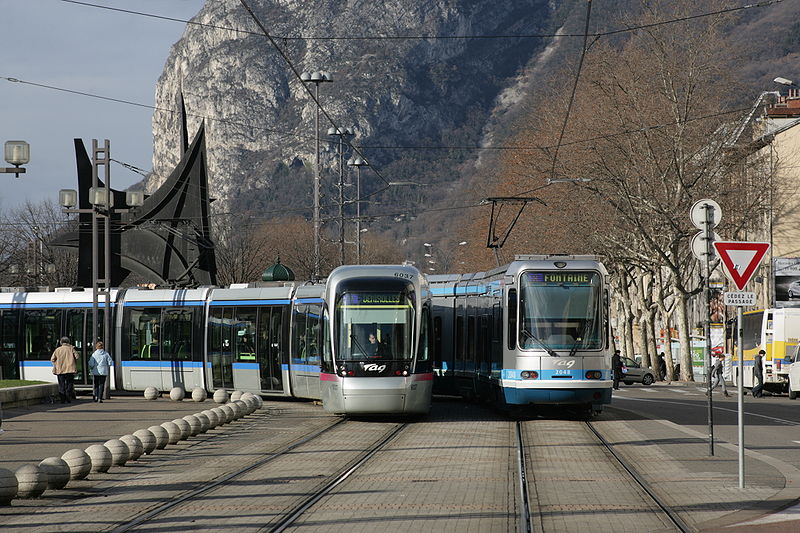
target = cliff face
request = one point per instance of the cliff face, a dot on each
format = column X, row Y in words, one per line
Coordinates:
column 394, row 92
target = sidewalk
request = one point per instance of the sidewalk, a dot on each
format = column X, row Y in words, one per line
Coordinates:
column 39, row 431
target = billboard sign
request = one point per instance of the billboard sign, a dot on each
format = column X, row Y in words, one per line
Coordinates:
column 786, row 281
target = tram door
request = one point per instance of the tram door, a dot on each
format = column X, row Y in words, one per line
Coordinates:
column 271, row 347
column 78, row 327
column 220, row 347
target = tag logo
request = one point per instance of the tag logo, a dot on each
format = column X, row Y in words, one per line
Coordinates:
column 372, row 367
column 569, row 363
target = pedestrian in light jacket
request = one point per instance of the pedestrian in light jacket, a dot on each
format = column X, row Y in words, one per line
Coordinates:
column 99, row 364
column 64, row 367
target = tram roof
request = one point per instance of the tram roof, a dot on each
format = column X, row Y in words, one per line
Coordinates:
column 51, row 297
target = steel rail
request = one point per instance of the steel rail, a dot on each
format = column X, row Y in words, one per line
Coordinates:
column 676, row 520
column 224, row 479
column 301, row 508
column 525, row 525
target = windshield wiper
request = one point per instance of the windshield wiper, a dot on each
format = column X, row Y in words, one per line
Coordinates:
column 358, row 344
column 536, row 339
column 579, row 340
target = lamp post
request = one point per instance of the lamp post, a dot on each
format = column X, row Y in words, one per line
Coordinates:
column 341, row 134
column 16, row 153
column 358, row 163
column 102, row 201
column 316, row 77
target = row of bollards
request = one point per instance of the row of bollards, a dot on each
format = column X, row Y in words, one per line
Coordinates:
column 30, row 481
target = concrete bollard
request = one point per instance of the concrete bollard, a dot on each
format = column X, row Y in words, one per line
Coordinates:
column 238, row 412
column 8, row 486
column 235, row 395
column 194, row 424
column 213, row 418
column 31, row 481
column 205, row 423
column 259, row 401
column 229, row 413
column 78, row 462
column 134, row 445
column 244, row 407
column 199, row 394
column 147, row 439
column 184, row 428
column 177, row 394
column 101, row 458
column 151, row 393
column 249, row 399
column 57, row 471
column 220, row 396
column 161, row 435
column 222, row 416
column 173, row 431
column 119, row 451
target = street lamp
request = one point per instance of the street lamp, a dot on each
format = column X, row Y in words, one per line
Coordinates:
column 341, row 134
column 16, row 153
column 316, row 77
column 783, row 81
column 358, row 163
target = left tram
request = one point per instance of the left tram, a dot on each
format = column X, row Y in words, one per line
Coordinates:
column 377, row 355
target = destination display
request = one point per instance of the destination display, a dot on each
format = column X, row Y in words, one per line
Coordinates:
column 571, row 278
column 362, row 298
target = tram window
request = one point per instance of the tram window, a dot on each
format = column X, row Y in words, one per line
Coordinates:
column 177, row 333
column 512, row 318
column 423, row 353
column 437, row 340
column 9, row 347
column 327, row 355
column 459, row 338
column 244, row 333
column 471, row 340
column 42, row 331
column 299, row 347
column 314, row 333
column 144, row 327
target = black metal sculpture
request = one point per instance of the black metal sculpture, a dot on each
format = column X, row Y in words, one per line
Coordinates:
column 167, row 241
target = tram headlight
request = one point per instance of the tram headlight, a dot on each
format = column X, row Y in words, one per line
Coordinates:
column 529, row 374
column 594, row 374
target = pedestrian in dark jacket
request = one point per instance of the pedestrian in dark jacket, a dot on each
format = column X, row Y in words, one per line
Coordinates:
column 758, row 374
column 662, row 367
column 616, row 367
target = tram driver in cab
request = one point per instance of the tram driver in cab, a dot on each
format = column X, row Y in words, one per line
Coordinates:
column 375, row 349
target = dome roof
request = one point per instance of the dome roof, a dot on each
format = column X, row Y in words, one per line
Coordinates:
column 278, row 272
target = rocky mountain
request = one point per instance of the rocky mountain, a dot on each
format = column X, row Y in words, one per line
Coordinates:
column 402, row 79
column 419, row 96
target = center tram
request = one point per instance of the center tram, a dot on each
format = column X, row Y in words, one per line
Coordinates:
column 378, row 343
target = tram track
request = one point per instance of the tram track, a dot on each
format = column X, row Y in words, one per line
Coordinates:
column 282, row 517
column 536, row 516
column 673, row 516
column 271, row 456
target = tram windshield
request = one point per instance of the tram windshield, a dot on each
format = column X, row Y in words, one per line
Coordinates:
column 374, row 326
column 560, row 310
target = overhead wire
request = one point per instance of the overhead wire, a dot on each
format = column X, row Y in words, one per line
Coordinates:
column 426, row 37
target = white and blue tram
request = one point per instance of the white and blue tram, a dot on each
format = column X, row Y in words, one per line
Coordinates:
column 531, row 333
column 266, row 339
column 378, row 356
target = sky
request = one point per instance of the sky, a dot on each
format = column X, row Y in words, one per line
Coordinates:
column 112, row 54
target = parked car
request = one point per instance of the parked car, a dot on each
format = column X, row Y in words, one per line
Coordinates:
column 637, row 373
column 794, row 375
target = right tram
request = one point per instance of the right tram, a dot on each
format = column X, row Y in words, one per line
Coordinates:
column 377, row 346
column 531, row 333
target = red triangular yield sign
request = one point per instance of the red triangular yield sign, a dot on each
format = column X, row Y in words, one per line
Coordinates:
column 741, row 259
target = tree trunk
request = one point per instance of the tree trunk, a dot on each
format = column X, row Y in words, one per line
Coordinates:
column 687, row 373
column 666, row 318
